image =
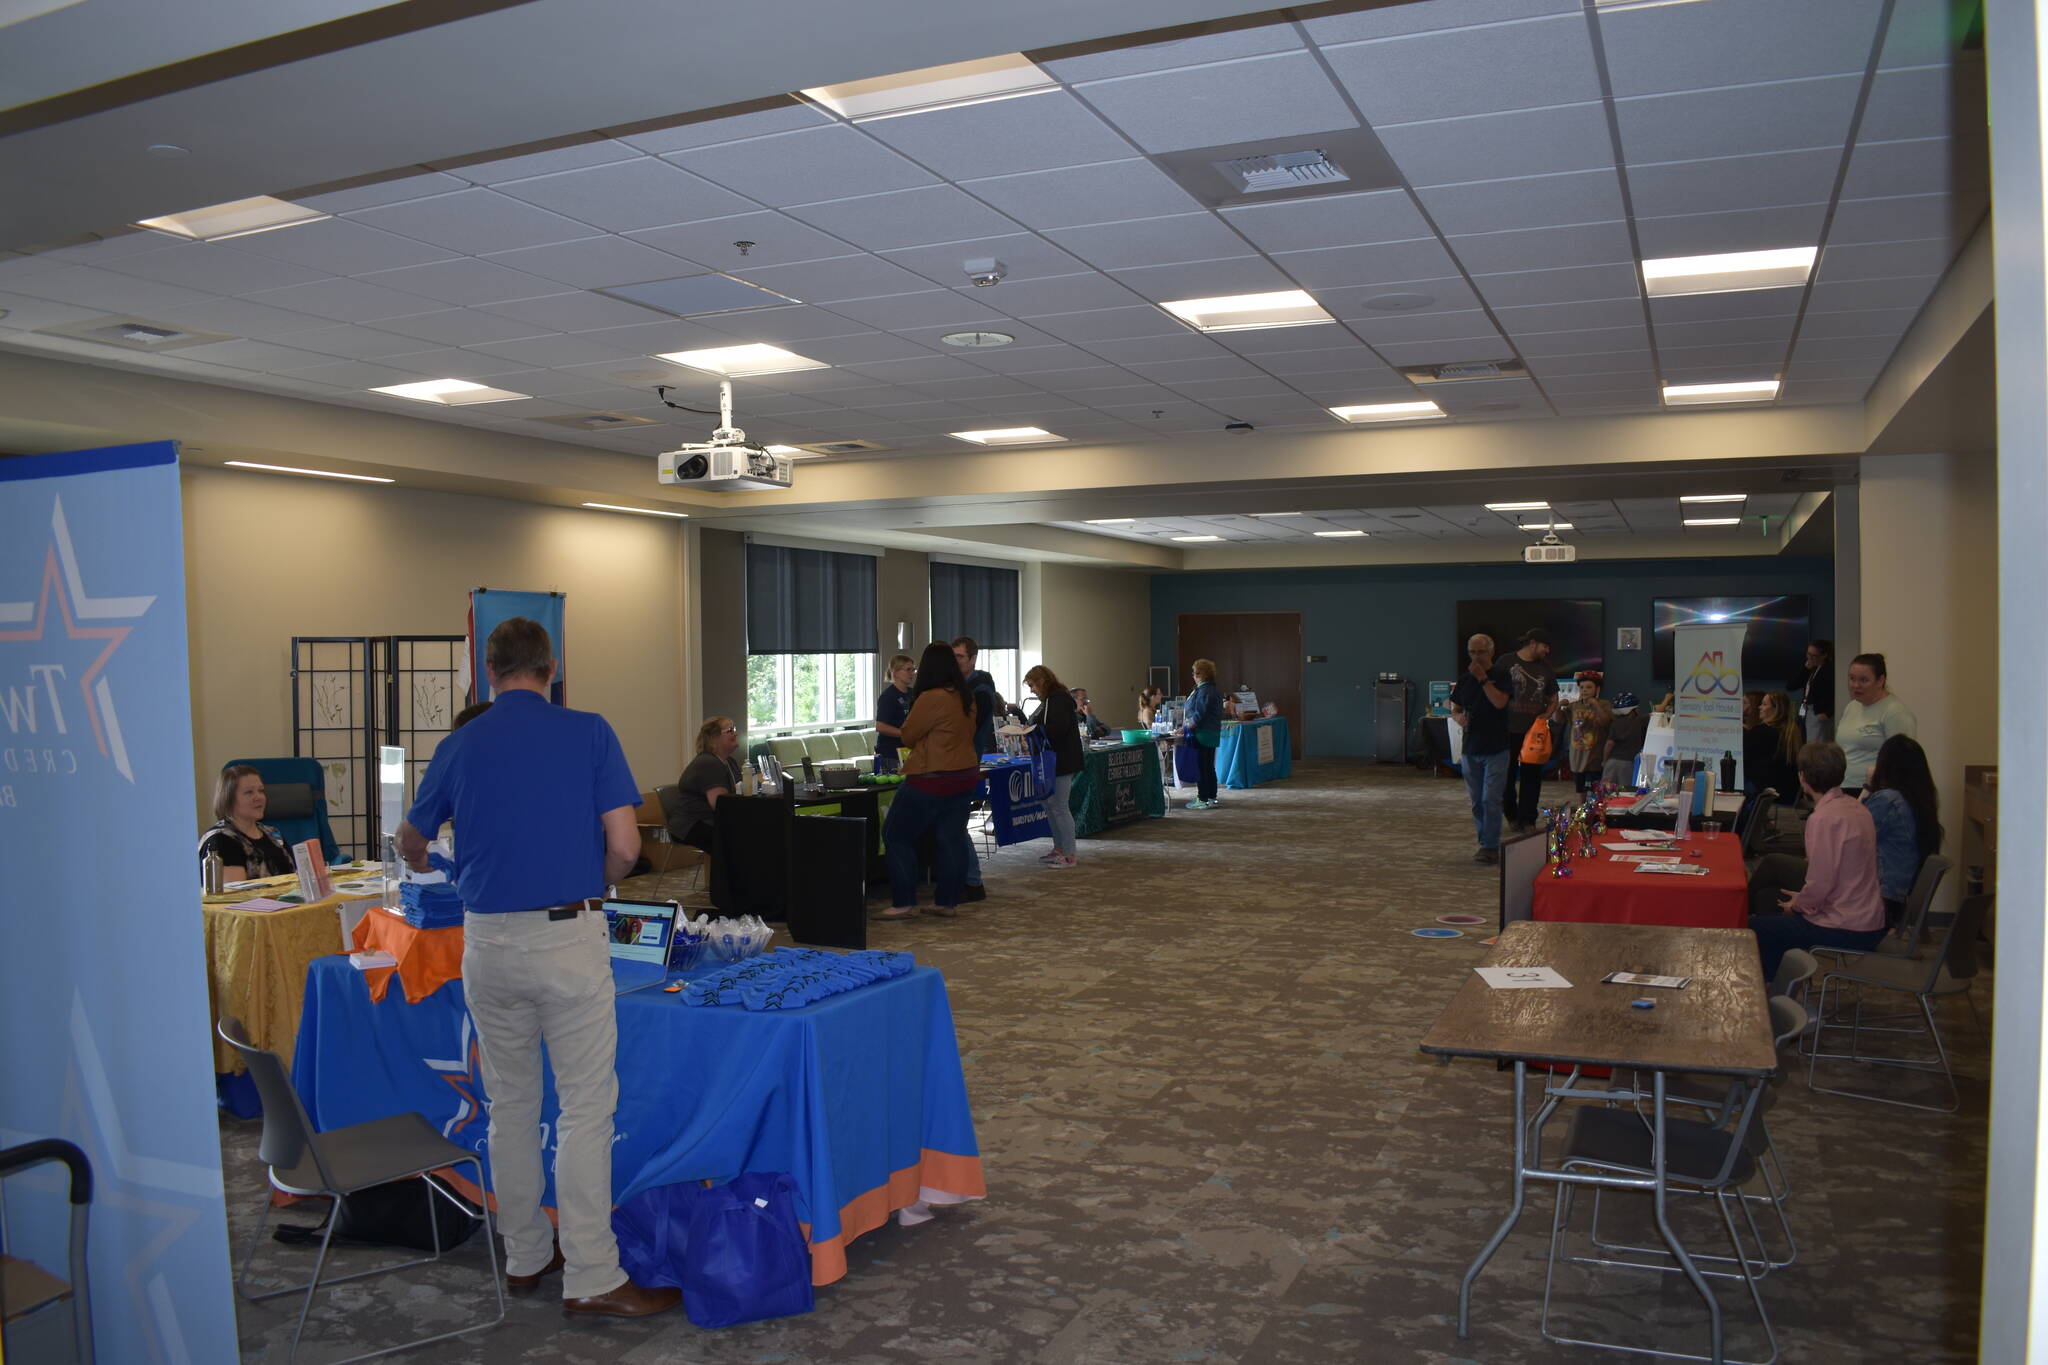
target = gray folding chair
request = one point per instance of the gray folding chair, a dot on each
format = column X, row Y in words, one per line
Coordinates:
column 1946, row 971
column 1909, row 935
column 339, row 1163
column 1762, row 816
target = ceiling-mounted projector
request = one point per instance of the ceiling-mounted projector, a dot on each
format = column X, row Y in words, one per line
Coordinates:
column 1550, row 550
column 727, row 462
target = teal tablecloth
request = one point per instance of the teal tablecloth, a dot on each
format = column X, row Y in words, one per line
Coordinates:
column 1254, row 751
column 1120, row 782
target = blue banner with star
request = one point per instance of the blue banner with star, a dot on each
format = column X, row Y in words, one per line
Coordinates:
column 104, row 1002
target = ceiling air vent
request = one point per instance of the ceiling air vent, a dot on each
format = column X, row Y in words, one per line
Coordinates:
column 595, row 421
column 1454, row 371
column 842, row 447
column 134, row 334
column 1282, row 171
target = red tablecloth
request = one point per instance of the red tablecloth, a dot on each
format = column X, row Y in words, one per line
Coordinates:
column 1602, row 891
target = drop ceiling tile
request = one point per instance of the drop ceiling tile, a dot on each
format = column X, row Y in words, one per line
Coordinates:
column 781, row 115
column 675, row 334
column 383, row 192
column 1354, row 363
column 1635, row 365
column 357, row 374
column 980, row 386
column 1529, row 287
column 1921, row 101
column 1185, row 346
column 1501, row 146
column 577, row 312
column 1704, row 234
column 1569, row 317
column 903, row 218
column 1382, row 22
column 1590, row 341
column 1885, row 260
column 1897, row 220
column 1445, row 295
column 213, row 268
column 1258, row 386
column 89, row 287
column 1184, row 371
column 1863, row 369
column 1225, row 40
column 1525, row 202
column 459, row 327
column 575, row 156
column 1108, row 192
column 546, row 352
column 262, row 356
column 1205, row 279
column 1278, row 97
column 776, row 239
column 1085, row 292
column 1027, row 360
column 1444, row 352
column 1723, row 184
column 1747, row 303
column 1662, row 48
column 345, row 300
column 1552, row 248
column 1023, row 256
column 863, row 347
column 1775, row 331
column 1823, row 391
column 594, row 262
column 1389, row 262
column 1904, row 292
column 833, row 162
column 1393, row 328
column 922, row 367
column 1111, row 324
column 1636, row 383
column 1106, row 386
column 1152, row 241
column 1811, row 349
column 1767, row 357
column 847, row 277
column 927, row 308
column 645, row 192
column 353, row 343
column 239, row 317
column 1888, row 321
column 1925, row 165
column 1007, row 137
column 1472, row 393
column 472, row 221
column 464, row 282
column 1330, row 221
column 1261, row 341
column 1536, row 64
column 1738, row 120
column 24, row 314
column 930, row 336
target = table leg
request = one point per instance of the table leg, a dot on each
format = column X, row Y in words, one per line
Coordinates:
column 1658, row 1194
column 1514, row 1211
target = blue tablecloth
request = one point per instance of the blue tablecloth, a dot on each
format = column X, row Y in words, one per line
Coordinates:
column 1254, row 751
column 859, row 1097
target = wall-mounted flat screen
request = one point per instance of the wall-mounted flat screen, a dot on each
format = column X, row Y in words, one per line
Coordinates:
column 1773, row 648
column 1576, row 625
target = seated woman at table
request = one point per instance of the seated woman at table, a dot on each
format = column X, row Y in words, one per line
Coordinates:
column 1906, row 811
column 247, row 847
column 1058, row 715
column 712, row 774
column 1830, row 897
column 940, row 774
column 1770, row 751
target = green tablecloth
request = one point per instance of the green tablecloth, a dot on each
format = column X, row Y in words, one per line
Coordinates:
column 1120, row 783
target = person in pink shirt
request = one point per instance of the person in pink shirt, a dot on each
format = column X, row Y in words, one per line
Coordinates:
column 1829, row 898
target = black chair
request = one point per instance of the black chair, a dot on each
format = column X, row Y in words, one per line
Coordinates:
column 337, row 1164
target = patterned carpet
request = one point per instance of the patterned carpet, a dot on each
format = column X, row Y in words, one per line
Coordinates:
column 1209, row 1136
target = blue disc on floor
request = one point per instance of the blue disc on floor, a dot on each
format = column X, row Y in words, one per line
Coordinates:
column 1436, row 933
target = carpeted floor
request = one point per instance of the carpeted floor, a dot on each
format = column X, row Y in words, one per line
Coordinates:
column 1209, row 1136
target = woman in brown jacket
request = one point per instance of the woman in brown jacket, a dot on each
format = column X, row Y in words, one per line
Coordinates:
column 940, row 772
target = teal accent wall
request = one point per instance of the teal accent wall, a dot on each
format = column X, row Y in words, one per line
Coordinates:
column 1372, row 619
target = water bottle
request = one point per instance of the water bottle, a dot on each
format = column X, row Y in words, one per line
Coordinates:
column 1727, row 770
column 211, row 880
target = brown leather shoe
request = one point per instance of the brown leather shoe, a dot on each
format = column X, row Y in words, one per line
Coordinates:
column 629, row 1300
column 523, row 1285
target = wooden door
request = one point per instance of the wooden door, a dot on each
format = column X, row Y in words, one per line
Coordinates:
column 1256, row 649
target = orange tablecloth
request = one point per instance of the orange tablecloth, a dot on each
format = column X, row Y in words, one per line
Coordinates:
column 427, row 958
column 1602, row 891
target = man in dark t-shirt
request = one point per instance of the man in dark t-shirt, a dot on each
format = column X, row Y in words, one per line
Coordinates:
column 1532, row 701
column 1479, row 703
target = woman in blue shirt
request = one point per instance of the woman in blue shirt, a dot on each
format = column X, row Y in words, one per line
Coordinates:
column 890, row 709
column 1202, row 722
column 1905, row 808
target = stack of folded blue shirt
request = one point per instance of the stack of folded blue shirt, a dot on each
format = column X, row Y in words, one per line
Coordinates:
column 790, row 977
column 437, row 906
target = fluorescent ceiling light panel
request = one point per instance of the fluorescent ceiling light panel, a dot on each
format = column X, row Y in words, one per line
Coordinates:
column 1389, row 412
column 1246, row 312
column 1715, row 497
column 744, row 362
column 1195, row 538
column 791, row 451
column 1518, row 507
column 1546, row 526
column 1729, row 272
column 1339, row 535
column 1693, row 395
column 453, row 393
column 1007, row 436
column 1278, row 514
column 1112, row 521
column 316, row 473
column 643, row 511
column 1713, row 521
column 238, row 219
column 934, row 87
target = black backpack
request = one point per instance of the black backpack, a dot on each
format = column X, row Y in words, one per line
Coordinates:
column 395, row 1214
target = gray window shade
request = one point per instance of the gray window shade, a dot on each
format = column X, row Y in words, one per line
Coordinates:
column 809, row 601
column 969, row 599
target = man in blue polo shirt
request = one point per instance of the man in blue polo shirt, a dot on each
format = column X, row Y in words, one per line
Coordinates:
column 543, row 805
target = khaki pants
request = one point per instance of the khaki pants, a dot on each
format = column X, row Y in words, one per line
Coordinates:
column 528, row 980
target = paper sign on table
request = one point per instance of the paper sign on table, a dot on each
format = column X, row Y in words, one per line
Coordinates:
column 1635, row 847
column 1522, row 978
column 1645, row 858
column 1645, row 836
column 258, row 905
column 1676, row 869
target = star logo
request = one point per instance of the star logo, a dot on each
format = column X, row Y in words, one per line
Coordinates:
column 463, row 1075
column 64, row 585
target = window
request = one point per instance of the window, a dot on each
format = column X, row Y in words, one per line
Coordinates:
column 980, row 601
column 786, row 690
column 1001, row 664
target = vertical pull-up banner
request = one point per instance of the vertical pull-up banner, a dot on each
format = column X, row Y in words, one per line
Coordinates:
column 1707, row 701
column 103, row 1009
column 489, row 606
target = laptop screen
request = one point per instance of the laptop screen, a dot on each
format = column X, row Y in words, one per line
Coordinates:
column 640, row 930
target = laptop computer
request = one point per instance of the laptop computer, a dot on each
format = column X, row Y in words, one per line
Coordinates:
column 640, row 932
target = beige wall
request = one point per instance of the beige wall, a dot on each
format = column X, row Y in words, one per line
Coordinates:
column 268, row 557
column 903, row 593
column 1093, row 627
column 1929, row 567
column 722, row 610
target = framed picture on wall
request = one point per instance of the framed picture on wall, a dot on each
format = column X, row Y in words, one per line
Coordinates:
column 1628, row 637
column 1773, row 647
column 1577, row 628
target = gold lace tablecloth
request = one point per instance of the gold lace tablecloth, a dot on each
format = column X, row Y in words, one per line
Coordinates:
column 256, row 963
